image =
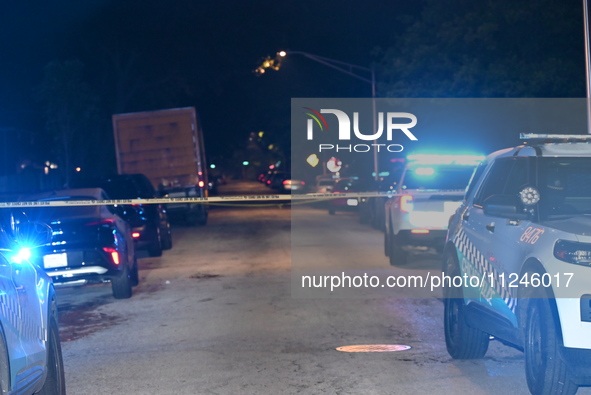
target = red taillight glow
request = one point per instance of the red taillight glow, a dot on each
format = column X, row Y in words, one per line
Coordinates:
column 268, row 181
column 286, row 182
column 135, row 235
column 114, row 254
column 406, row 203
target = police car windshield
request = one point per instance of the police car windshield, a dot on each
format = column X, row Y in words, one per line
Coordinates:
column 565, row 186
column 437, row 177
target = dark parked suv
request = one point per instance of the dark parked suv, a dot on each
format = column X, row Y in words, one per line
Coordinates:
column 89, row 244
column 149, row 222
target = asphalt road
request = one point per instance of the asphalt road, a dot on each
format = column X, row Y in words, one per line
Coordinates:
column 216, row 315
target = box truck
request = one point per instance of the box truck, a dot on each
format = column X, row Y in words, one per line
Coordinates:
column 166, row 146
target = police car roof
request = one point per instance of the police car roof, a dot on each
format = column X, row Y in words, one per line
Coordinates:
column 548, row 145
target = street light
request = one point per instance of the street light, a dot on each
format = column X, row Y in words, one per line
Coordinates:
column 344, row 67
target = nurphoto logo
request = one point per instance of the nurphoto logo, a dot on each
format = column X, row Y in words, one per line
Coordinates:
column 395, row 122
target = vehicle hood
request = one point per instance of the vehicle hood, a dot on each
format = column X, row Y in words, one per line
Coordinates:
column 578, row 225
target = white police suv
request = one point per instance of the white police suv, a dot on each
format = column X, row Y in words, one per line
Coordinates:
column 430, row 189
column 518, row 257
column 30, row 350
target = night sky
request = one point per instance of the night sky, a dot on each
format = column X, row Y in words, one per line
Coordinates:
column 207, row 49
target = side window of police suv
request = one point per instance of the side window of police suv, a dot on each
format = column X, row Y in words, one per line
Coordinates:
column 504, row 181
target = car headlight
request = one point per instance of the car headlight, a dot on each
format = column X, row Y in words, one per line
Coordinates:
column 573, row 252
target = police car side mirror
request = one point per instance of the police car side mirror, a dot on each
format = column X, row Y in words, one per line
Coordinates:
column 504, row 206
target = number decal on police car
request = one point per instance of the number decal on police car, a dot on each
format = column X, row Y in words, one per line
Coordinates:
column 531, row 235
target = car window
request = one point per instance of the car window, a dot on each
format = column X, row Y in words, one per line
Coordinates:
column 506, row 177
column 475, row 177
column 565, row 186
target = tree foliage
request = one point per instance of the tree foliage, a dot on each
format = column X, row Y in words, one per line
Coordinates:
column 488, row 48
column 70, row 109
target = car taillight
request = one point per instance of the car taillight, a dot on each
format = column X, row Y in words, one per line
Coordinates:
column 286, row 182
column 406, row 203
column 101, row 222
column 114, row 254
column 302, row 183
column 135, row 235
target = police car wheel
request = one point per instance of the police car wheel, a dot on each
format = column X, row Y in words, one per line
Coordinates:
column 121, row 285
column 55, row 382
column 545, row 371
column 398, row 257
column 462, row 341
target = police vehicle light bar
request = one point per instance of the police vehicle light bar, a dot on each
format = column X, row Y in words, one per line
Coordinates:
column 434, row 159
column 554, row 137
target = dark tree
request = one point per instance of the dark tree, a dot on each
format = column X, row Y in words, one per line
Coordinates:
column 71, row 110
column 488, row 48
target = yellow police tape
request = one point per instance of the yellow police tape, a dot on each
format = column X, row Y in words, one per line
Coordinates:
column 311, row 197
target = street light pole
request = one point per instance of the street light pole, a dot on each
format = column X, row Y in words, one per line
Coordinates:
column 587, row 62
column 343, row 67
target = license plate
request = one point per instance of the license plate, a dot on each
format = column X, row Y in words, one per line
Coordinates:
column 352, row 202
column 55, row 260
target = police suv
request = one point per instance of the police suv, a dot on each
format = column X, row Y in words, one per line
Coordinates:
column 518, row 257
column 430, row 189
column 30, row 350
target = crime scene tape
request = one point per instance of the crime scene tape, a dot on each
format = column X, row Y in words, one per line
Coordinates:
column 55, row 202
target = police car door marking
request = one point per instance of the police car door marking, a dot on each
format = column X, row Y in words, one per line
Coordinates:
column 482, row 265
column 531, row 235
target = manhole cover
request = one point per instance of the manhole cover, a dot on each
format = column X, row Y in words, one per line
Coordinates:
column 374, row 348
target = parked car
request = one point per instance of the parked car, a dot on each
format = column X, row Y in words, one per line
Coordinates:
column 372, row 209
column 283, row 182
column 151, row 229
column 324, row 184
column 524, row 228
column 90, row 243
column 30, row 348
column 429, row 191
column 344, row 185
